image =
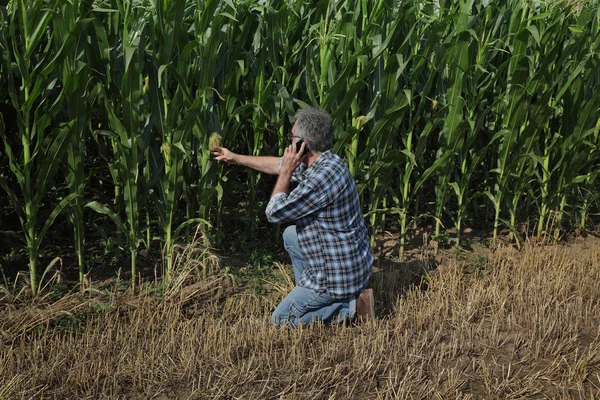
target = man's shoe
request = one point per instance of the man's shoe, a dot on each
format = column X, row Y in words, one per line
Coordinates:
column 365, row 306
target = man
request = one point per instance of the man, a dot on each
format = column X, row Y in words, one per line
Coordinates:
column 328, row 244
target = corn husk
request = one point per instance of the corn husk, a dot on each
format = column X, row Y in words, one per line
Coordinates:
column 214, row 141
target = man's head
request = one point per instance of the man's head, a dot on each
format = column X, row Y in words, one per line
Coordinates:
column 315, row 127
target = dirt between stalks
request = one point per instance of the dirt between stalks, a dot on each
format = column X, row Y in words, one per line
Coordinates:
column 506, row 324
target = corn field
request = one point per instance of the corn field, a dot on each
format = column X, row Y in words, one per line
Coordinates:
column 449, row 113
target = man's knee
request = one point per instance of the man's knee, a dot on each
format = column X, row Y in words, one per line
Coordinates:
column 290, row 237
column 275, row 318
column 281, row 318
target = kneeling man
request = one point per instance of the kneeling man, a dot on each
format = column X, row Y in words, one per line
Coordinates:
column 328, row 245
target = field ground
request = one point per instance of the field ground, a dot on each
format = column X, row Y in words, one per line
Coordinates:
column 476, row 324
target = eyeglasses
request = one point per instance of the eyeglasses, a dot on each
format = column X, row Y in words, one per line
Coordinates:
column 290, row 137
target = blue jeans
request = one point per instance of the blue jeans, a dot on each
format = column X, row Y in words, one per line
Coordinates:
column 303, row 305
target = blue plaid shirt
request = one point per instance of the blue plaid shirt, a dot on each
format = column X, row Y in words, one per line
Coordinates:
column 331, row 230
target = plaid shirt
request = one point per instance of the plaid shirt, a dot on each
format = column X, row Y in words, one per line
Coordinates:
column 331, row 231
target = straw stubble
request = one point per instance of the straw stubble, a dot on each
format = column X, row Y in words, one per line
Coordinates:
column 504, row 325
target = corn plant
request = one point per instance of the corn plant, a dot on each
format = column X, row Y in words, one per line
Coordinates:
column 587, row 195
column 454, row 128
column 512, row 108
column 563, row 157
column 416, row 64
column 32, row 74
column 124, row 118
column 209, row 23
column 81, row 91
column 172, row 132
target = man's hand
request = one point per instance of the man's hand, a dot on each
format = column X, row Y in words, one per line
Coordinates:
column 291, row 159
column 289, row 162
column 222, row 154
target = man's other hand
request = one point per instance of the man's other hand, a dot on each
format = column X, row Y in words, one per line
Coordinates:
column 223, row 154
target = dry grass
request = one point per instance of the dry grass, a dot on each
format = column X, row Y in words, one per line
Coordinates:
column 505, row 325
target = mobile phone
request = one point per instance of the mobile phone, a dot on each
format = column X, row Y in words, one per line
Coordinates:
column 299, row 144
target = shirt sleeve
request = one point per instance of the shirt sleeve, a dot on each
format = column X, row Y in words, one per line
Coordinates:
column 302, row 201
column 297, row 172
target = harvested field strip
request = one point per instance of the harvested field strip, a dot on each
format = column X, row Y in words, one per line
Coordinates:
column 519, row 325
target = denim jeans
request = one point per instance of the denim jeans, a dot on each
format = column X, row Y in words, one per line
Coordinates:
column 303, row 305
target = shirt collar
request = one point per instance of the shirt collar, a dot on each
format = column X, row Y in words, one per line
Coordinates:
column 322, row 158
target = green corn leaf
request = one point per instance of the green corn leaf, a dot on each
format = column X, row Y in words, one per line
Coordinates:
column 581, row 178
column 104, row 10
column 51, row 158
column 190, row 222
column 60, row 207
column 437, row 164
column 576, row 29
column 491, row 196
column 46, row 270
column 101, row 209
column 68, row 46
column 14, row 201
column 38, row 33
column 456, row 188
column 534, row 33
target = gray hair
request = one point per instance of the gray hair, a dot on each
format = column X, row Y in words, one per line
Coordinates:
column 315, row 127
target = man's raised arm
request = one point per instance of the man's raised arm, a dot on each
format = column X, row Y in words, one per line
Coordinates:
column 266, row 164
